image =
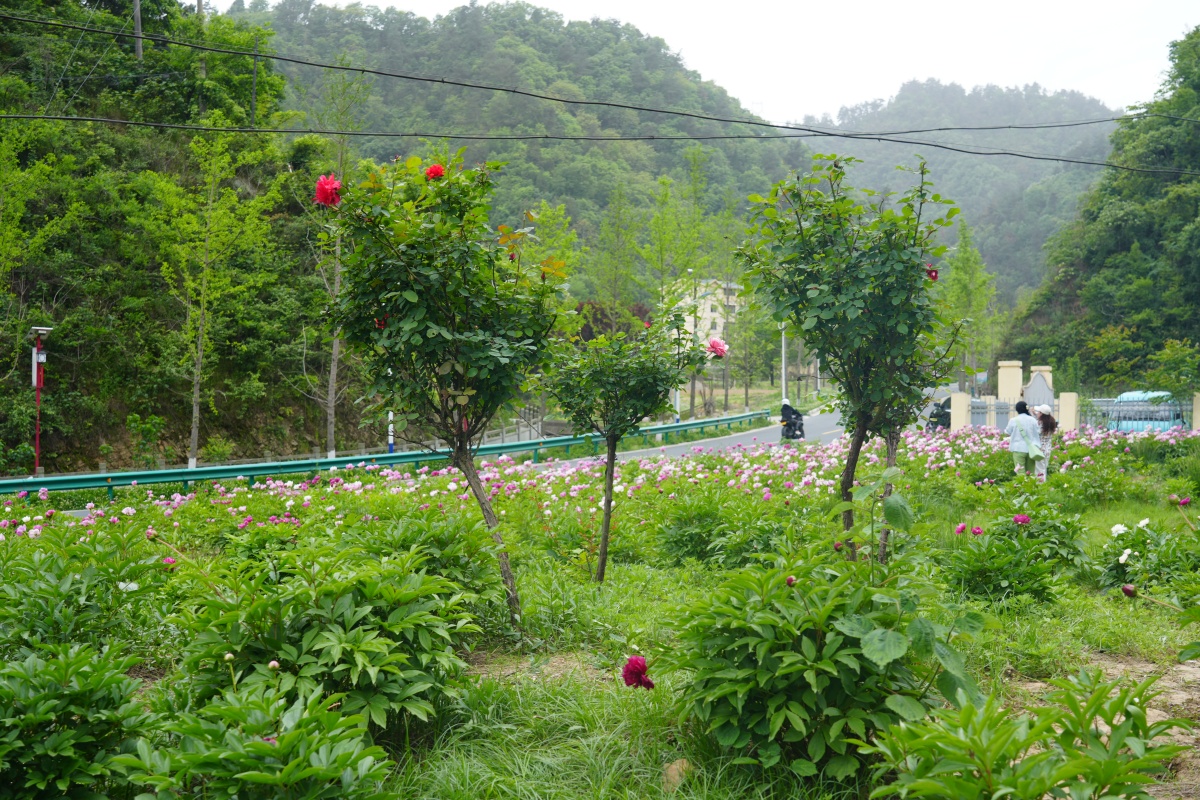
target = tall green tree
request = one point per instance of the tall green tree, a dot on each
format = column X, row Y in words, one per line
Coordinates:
column 613, row 263
column 610, row 384
column 204, row 228
column 969, row 293
column 850, row 273
column 448, row 316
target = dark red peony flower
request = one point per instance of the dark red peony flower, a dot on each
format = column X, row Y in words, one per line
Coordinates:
column 328, row 187
column 634, row 673
column 931, row 274
column 1129, row 590
column 512, row 256
column 647, row 324
column 434, row 172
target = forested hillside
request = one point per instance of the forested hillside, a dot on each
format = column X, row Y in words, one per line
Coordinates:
column 1121, row 308
column 1012, row 204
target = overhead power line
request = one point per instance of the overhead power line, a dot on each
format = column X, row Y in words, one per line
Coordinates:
column 813, row 129
column 574, row 138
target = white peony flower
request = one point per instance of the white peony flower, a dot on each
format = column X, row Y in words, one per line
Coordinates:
column 1118, row 529
column 1144, row 522
column 1125, row 556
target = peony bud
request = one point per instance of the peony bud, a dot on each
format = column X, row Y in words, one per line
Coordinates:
column 229, row 656
column 791, row 580
column 1129, row 590
column 273, row 665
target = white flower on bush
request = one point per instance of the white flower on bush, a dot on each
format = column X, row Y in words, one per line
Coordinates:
column 1118, row 529
column 330, row 509
column 128, row 511
column 1125, row 556
column 452, row 486
column 127, row 587
column 26, row 519
column 1144, row 522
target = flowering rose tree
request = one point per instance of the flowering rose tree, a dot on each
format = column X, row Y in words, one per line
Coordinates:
column 852, row 273
column 447, row 315
column 610, row 384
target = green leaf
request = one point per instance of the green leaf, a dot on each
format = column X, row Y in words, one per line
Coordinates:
column 907, row 707
column 856, row 625
column 841, row 767
column 897, row 512
column 949, row 658
column 410, row 295
column 803, row 767
column 921, row 637
column 1190, row 651
column 971, row 622
column 884, row 646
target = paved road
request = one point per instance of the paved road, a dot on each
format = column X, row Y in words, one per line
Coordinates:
column 817, row 428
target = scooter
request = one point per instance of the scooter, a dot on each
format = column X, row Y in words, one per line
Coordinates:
column 792, row 423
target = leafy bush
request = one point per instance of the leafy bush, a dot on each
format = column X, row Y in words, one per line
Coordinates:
column 1049, row 534
column 1093, row 741
column 260, row 743
column 63, row 587
column 64, row 714
column 996, row 567
column 379, row 630
column 791, row 673
column 690, row 529
column 1147, row 558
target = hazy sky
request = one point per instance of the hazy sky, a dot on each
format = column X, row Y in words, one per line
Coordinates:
column 784, row 60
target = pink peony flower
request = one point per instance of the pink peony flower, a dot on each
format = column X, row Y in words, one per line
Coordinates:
column 634, row 673
column 717, row 347
column 960, row 528
column 1021, row 519
column 977, row 531
column 168, row 561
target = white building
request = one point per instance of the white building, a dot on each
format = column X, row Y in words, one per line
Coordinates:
column 717, row 304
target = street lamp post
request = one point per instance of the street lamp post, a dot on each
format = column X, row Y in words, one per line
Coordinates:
column 39, row 379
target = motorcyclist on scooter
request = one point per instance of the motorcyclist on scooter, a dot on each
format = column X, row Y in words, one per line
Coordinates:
column 792, row 422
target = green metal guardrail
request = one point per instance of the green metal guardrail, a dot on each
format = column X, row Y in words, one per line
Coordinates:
column 110, row 480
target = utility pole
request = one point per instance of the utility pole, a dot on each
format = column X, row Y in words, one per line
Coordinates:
column 203, row 60
column 783, row 362
column 137, row 28
column 39, row 380
column 696, row 332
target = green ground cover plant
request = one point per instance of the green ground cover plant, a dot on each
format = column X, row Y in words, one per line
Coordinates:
column 361, row 615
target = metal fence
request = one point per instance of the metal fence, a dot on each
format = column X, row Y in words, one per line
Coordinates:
column 1135, row 415
column 249, row 471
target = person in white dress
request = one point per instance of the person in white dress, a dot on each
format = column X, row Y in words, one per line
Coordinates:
column 1047, row 425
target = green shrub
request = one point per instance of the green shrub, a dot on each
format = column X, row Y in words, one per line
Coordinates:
column 380, row 630
column 1050, row 534
column 66, row 587
column 64, row 714
column 1093, row 741
column 694, row 523
column 259, row 743
column 997, row 567
column 792, row 673
column 1147, row 558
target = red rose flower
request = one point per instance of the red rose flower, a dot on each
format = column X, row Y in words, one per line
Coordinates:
column 328, row 187
column 434, row 172
column 634, row 673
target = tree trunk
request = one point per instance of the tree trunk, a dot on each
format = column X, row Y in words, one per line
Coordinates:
column 466, row 464
column 726, row 381
column 610, row 470
column 692, row 399
column 197, row 373
column 746, row 391
column 893, row 444
column 856, row 443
